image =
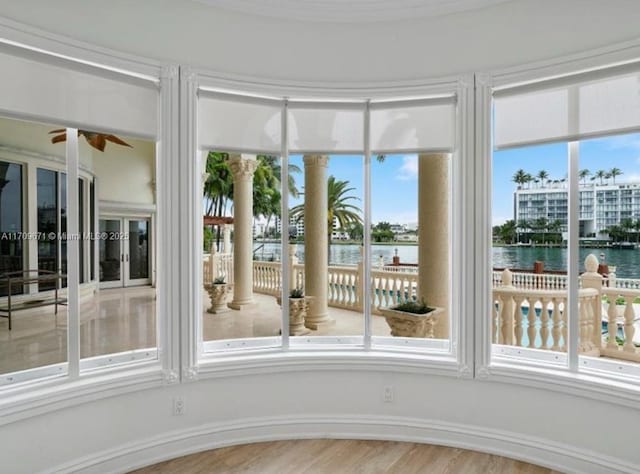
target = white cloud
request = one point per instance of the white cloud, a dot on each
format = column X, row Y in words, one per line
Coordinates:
column 619, row 142
column 409, row 168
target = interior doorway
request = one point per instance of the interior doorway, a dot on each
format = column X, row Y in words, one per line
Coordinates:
column 124, row 251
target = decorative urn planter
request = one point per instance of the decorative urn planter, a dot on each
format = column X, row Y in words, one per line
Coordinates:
column 297, row 312
column 298, row 306
column 218, row 292
column 411, row 324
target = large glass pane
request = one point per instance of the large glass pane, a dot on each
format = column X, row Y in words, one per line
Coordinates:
column 120, row 319
column 609, row 210
column 326, row 226
column 11, row 212
column 48, row 223
column 81, row 228
column 33, row 323
column 530, row 257
column 138, row 249
column 242, row 270
column 111, row 256
column 410, row 249
column 92, row 227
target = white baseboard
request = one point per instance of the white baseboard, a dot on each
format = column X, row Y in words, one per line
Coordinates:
column 173, row 444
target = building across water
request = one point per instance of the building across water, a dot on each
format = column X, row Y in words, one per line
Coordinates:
column 601, row 206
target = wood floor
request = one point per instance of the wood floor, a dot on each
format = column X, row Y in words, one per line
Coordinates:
column 342, row 456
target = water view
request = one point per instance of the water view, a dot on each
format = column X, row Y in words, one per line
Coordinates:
column 554, row 258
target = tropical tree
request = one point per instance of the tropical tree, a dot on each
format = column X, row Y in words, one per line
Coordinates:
column 582, row 174
column 523, row 227
column 543, row 176
column 382, row 232
column 613, row 172
column 540, row 225
column 626, row 225
column 507, row 232
column 339, row 206
column 600, row 174
column 520, row 177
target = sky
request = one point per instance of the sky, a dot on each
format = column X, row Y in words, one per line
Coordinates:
column 622, row 151
column 394, row 184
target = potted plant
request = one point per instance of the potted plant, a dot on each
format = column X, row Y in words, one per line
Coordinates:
column 412, row 318
column 218, row 292
column 298, row 306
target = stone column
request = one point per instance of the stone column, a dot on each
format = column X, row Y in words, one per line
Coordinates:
column 316, row 240
column 226, row 234
column 242, row 169
column 433, row 235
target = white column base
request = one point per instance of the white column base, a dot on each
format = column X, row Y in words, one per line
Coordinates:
column 319, row 321
column 242, row 305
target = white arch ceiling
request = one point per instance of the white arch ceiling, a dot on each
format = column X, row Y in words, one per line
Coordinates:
column 350, row 10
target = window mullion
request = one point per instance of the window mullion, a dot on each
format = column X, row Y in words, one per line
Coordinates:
column 284, row 224
column 573, row 256
column 366, row 234
column 73, row 297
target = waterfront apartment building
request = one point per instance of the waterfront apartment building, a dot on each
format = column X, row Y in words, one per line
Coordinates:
column 601, row 206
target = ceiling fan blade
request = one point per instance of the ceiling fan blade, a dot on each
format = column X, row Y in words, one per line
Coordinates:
column 114, row 139
column 59, row 138
column 96, row 140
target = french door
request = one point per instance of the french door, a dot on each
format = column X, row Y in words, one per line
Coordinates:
column 124, row 252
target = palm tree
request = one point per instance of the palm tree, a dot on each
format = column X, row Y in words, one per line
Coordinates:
column 339, row 206
column 528, row 178
column 582, row 174
column 520, row 177
column 600, row 174
column 613, row 172
column 543, row 176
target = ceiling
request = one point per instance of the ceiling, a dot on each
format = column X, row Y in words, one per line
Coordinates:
column 350, row 11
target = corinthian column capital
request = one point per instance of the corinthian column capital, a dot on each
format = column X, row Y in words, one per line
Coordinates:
column 242, row 167
column 315, row 160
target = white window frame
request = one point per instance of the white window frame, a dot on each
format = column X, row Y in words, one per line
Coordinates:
column 122, row 372
column 611, row 380
column 208, row 358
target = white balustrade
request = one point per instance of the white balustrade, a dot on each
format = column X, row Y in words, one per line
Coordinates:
column 533, row 281
column 391, row 288
column 343, row 287
column 623, row 324
column 528, row 310
column 267, row 277
column 537, row 319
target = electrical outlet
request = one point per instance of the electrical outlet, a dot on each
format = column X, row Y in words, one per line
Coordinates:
column 387, row 394
column 178, row 406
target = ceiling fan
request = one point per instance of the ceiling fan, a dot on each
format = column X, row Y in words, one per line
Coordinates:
column 96, row 140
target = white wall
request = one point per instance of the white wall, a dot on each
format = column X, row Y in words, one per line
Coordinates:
column 510, row 33
column 131, row 430
column 126, row 174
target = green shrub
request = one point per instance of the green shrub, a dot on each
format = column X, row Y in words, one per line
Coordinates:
column 296, row 293
column 416, row 307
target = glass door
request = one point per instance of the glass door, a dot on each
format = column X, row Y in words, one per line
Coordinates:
column 136, row 259
column 111, row 253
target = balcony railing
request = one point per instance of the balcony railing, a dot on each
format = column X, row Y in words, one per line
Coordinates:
column 528, row 310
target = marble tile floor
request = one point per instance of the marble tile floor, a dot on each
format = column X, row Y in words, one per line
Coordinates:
column 123, row 319
column 265, row 320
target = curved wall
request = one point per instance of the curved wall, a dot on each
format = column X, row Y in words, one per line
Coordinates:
column 187, row 32
column 324, row 399
column 114, row 434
